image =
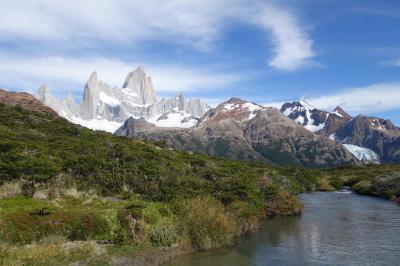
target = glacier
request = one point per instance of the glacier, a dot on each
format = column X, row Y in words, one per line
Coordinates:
column 363, row 154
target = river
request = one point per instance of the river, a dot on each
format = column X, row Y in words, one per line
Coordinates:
column 334, row 229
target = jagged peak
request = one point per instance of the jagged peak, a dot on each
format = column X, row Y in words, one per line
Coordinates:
column 134, row 74
column 139, row 68
column 300, row 105
column 93, row 77
column 340, row 112
column 44, row 87
column 43, row 92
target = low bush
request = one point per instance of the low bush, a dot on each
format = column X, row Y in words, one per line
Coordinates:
column 163, row 234
column 206, row 223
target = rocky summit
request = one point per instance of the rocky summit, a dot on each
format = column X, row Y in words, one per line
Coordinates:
column 242, row 130
column 106, row 108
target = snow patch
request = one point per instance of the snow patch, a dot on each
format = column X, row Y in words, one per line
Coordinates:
column 174, row 119
column 314, row 128
column 244, row 107
column 97, row 124
column 108, row 99
column 337, row 114
column 130, row 93
column 229, row 106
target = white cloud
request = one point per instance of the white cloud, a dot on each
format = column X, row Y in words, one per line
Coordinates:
column 198, row 23
column 70, row 74
column 370, row 99
column 293, row 47
column 374, row 98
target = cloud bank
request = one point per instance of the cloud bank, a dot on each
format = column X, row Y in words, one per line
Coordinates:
column 70, row 74
column 370, row 99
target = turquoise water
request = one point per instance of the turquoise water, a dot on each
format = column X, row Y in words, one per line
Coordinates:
column 335, row 229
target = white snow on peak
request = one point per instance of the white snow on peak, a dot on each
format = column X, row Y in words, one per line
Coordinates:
column 174, row 119
column 229, row 106
column 314, row 128
column 130, row 93
column 361, row 153
column 108, row 99
column 307, row 121
column 300, row 120
column 337, row 113
column 252, row 107
column 306, row 105
column 244, row 107
column 332, row 136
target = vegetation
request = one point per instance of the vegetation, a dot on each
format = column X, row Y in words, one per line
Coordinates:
column 97, row 193
column 373, row 180
column 70, row 194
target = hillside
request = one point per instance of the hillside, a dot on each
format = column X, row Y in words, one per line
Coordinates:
column 80, row 189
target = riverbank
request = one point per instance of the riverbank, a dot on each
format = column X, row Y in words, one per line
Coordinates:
column 372, row 180
column 334, row 229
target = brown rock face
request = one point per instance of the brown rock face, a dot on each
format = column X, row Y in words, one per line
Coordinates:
column 335, row 121
column 26, row 101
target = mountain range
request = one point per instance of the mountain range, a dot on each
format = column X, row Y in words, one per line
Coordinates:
column 106, row 108
column 247, row 131
column 297, row 134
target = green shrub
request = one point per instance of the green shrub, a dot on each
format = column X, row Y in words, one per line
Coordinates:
column 362, row 187
column 337, row 182
column 206, row 223
column 163, row 234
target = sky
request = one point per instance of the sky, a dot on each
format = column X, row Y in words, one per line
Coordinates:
column 326, row 52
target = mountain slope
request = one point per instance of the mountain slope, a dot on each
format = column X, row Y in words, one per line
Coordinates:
column 242, row 130
column 376, row 134
column 370, row 139
column 25, row 101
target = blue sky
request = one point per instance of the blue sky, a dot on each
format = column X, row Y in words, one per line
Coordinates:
column 328, row 52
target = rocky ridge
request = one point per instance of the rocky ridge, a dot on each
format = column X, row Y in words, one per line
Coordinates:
column 25, row 101
column 242, row 130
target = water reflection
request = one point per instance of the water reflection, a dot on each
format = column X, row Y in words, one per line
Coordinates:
column 335, row 229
